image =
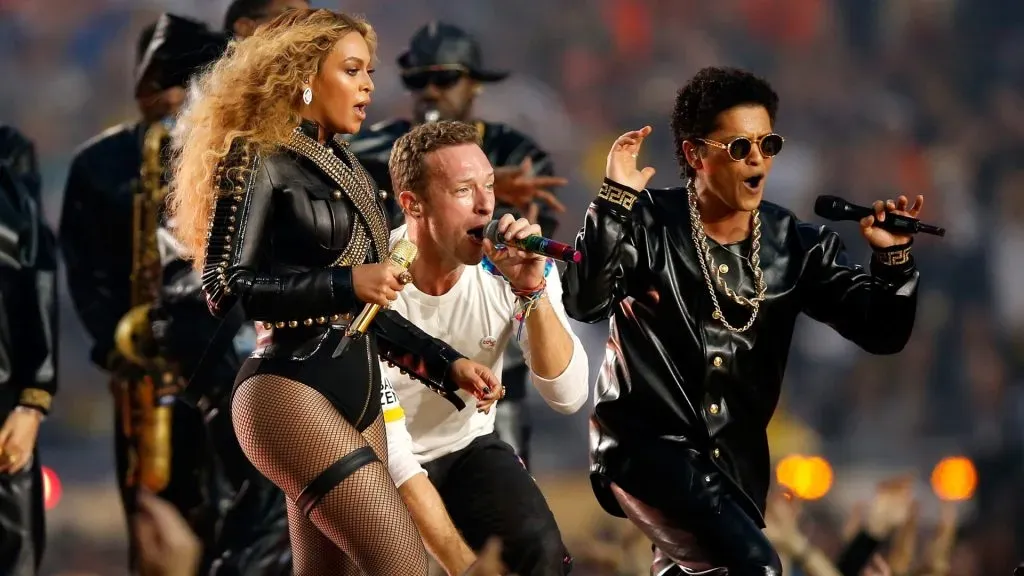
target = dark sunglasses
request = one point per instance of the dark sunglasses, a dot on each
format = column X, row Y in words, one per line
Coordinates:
column 741, row 146
column 443, row 79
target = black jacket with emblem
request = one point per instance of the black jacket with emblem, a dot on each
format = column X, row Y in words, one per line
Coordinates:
column 683, row 401
column 503, row 145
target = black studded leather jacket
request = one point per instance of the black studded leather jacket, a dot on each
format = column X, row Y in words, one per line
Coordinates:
column 287, row 230
column 676, row 384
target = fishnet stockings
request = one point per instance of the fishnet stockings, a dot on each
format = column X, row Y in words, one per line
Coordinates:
column 291, row 434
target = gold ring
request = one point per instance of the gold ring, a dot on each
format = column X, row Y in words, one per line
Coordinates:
column 502, row 393
column 10, row 457
column 405, row 277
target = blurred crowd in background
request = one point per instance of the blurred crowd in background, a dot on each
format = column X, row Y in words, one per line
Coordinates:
column 879, row 98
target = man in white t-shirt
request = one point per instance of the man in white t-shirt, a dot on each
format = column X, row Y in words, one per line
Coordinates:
column 478, row 305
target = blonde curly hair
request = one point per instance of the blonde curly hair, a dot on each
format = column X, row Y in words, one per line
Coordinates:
column 253, row 93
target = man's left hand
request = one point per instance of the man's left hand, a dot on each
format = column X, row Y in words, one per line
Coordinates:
column 524, row 271
column 880, row 238
column 18, row 439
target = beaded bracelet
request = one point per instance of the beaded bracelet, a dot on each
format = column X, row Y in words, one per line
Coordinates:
column 527, row 303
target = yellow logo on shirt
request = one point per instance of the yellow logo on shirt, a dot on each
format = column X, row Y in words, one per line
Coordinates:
column 389, row 401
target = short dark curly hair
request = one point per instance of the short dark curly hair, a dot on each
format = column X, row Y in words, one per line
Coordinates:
column 710, row 92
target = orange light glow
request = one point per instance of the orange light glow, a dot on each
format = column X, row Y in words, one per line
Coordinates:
column 954, row 479
column 810, row 478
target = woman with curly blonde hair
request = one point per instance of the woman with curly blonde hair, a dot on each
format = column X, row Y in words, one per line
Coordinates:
column 283, row 223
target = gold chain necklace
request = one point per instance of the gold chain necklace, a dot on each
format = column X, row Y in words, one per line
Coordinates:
column 707, row 261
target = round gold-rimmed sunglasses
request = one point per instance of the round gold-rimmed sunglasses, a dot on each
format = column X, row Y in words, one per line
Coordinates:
column 741, row 146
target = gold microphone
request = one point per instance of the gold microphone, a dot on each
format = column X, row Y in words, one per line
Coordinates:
column 402, row 255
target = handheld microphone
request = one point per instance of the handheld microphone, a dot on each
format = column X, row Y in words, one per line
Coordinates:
column 836, row 209
column 535, row 244
column 402, row 256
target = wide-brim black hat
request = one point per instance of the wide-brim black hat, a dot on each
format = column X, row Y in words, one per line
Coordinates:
column 180, row 48
column 439, row 45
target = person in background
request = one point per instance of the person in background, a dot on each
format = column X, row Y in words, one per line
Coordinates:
column 243, row 16
column 443, row 70
column 28, row 352
column 110, row 235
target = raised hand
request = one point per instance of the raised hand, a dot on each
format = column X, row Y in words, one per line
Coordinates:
column 879, row 238
column 891, row 507
column 517, row 186
column 622, row 167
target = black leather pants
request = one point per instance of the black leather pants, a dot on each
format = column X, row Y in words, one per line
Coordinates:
column 22, row 527
column 253, row 536
column 698, row 527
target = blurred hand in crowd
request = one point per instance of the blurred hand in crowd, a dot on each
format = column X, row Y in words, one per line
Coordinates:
column 890, row 508
column 877, row 567
column 782, row 525
column 166, row 544
column 488, row 561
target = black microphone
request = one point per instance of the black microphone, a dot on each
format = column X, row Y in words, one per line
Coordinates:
column 535, row 244
column 836, row 209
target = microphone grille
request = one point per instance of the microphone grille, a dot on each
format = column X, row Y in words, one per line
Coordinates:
column 403, row 253
column 828, row 206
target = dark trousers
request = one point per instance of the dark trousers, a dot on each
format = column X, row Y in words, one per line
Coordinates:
column 189, row 488
column 22, row 521
column 253, row 536
column 694, row 519
column 513, row 420
column 488, row 492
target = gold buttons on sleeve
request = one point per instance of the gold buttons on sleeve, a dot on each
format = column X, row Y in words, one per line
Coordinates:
column 723, row 269
column 717, row 361
column 713, row 408
column 716, row 453
column 336, row 194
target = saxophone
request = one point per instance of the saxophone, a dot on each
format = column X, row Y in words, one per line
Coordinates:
column 147, row 382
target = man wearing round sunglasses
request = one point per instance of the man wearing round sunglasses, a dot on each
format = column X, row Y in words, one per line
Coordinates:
column 443, row 70
column 703, row 284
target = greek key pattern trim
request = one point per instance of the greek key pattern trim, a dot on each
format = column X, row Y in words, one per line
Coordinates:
column 617, row 195
column 894, row 258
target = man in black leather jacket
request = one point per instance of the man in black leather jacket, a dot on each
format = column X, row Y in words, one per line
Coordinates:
column 28, row 352
column 97, row 241
column 442, row 68
column 703, row 284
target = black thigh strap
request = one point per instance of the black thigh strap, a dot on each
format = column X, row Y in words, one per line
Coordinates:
column 334, row 475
